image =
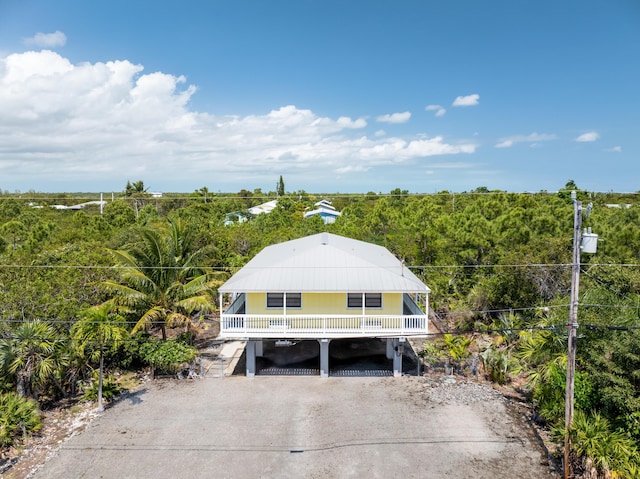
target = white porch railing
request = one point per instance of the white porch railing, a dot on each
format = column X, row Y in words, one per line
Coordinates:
column 320, row 326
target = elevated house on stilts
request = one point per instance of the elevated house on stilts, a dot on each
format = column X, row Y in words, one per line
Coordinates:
column 324, row 287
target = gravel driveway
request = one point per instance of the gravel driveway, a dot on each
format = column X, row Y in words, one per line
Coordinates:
column 295, row 427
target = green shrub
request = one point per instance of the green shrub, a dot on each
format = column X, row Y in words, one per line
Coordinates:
column 498, row 364
column 110, row 388
column 548, row 393
column 430, row 353
column 18, row 417
column 610, row 450
column 128, row 356
column 167, row 356
column 7, row 383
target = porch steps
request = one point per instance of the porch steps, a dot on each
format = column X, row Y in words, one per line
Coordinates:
column 232, row 351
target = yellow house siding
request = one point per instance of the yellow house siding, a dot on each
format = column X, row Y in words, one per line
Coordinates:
column 391, row 304
column 325, row 303
column 256, row 303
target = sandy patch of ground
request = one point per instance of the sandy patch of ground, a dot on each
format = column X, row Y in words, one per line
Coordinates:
column 58, row 425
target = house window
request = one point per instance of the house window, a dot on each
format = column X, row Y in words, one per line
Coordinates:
column 354, row 300
column 294, row 300
column 276, row 300
column 371, row 300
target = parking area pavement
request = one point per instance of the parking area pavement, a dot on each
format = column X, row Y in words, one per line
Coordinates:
column 301, row 427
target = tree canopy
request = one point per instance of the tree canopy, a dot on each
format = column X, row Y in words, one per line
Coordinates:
column 494, row 261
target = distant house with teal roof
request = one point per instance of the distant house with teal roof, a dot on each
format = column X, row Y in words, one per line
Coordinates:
column 242, row 216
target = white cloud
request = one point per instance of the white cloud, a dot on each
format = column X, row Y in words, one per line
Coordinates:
column 451, row 165
column 588, row 136
column 614, row 149
column 532, row 138
column 395, row 117
column 347, row 122
column 74, row 123
column 47, row 40
column 380, row 133
column 439, row 111
column 469, row 100
column 351, row 169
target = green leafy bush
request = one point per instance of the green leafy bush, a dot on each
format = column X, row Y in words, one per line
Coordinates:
column 609, row 450
column 128, row 355
column 452, row 349
column 430, row 353
column 110, row 388
column 548, row 394
column 18, row 417
column 498, row 364
column 167, row 356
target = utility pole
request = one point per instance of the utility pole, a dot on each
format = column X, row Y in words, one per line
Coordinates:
column 586, row 242
column 572, row 329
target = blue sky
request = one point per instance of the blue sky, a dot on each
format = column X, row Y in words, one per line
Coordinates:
column 335, row 96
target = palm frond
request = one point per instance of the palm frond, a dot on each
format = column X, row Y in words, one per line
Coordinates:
column 153, row 315
column 124, row 295
column 195, row 304
column 177, row 319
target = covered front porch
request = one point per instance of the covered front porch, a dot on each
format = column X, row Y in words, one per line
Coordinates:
column 236, row 324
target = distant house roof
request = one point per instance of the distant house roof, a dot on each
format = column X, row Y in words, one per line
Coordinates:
column 324, row 263
column 325, row 210
column 325, row 204
column 242, row 216
column 78, row 206
column 264, row 207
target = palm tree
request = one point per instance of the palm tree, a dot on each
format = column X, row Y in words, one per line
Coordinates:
column 162, row 279
column 28, row 353
column 137, row 187
column 455, row 349
column 98, row 327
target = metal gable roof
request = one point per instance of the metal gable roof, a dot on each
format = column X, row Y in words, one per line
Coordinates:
column 324, row 263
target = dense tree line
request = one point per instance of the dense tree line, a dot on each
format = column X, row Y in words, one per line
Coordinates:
column 494, row 260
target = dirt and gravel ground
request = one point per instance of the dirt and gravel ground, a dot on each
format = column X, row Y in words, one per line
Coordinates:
column 294, row 427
